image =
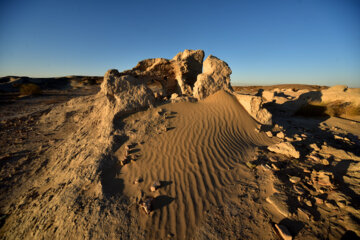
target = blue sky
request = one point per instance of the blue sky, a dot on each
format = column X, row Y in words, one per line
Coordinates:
column 264, row 42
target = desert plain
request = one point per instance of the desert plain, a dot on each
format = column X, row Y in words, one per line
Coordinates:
column 170, row 150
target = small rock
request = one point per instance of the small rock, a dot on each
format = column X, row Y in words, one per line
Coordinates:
column 294, row 179
column 174, row 96
column 280, row 135
column 146, row 205
column 318, row 201
column 155, row 186
column 161, row 111
column 283, row 232
column 275, row 167
column 124, row 161
column 302, row 213
column 279, row 201
column 330, row 205
column 138, row 180
column 285, row 148
column 299, row 189
column 341, row 203
column 272, row 159
column 269, row 134
column 308, row 202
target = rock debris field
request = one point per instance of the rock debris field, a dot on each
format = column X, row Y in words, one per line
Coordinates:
column 170, row 150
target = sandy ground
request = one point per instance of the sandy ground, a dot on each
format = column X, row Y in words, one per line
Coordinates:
column 218, row 179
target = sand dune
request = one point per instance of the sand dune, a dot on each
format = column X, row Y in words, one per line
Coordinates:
column 197, row 159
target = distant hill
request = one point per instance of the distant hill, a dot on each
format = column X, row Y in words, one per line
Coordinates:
column 12, row 83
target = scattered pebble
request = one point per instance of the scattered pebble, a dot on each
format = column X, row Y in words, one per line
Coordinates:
column 275, row 167
column 302, row 213
column 138, row 180
column 269, row 134
column 299, row 189
column 308, row 202
column 155, row 186
column 294, row 179
column 280, row 135
column 319, row 201
column 146, row 205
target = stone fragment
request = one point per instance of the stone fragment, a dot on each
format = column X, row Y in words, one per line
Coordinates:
column 278, row 200
column 308, row 202
column 155, row 186
column 146, row 205
column 268, row 96
column 304, row 214
column 280, row 135
column 352, row 178
column 299, row 190
column 330, row 205
column 338, row 154
column 275, row 167
column 283, row 232
column 138, row 180
column 285, row 148
column 294, row 179
column 318, row 201
column 321, row 180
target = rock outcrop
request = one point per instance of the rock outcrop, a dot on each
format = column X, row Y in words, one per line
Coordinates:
column 170, row 76
column 215, row 76
column 190, row 64
column 341, row 93
column 157, row 73
column 254, row 106
column 129, row 93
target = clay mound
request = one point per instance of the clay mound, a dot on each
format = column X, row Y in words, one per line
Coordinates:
column 198, row 160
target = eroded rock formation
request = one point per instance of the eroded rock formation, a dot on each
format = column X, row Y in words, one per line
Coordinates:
column 170, row 76
column 254, row 106
column 215, row 76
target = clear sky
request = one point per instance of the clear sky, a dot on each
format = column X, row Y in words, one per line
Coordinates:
column 264, row 42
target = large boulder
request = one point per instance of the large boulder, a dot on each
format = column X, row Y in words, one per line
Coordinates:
column 215, row 76
column 254, row 106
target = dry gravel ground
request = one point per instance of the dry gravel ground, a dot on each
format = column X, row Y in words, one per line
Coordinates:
column 219, row 180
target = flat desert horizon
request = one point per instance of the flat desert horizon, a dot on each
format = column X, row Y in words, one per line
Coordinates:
column 171, row 150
